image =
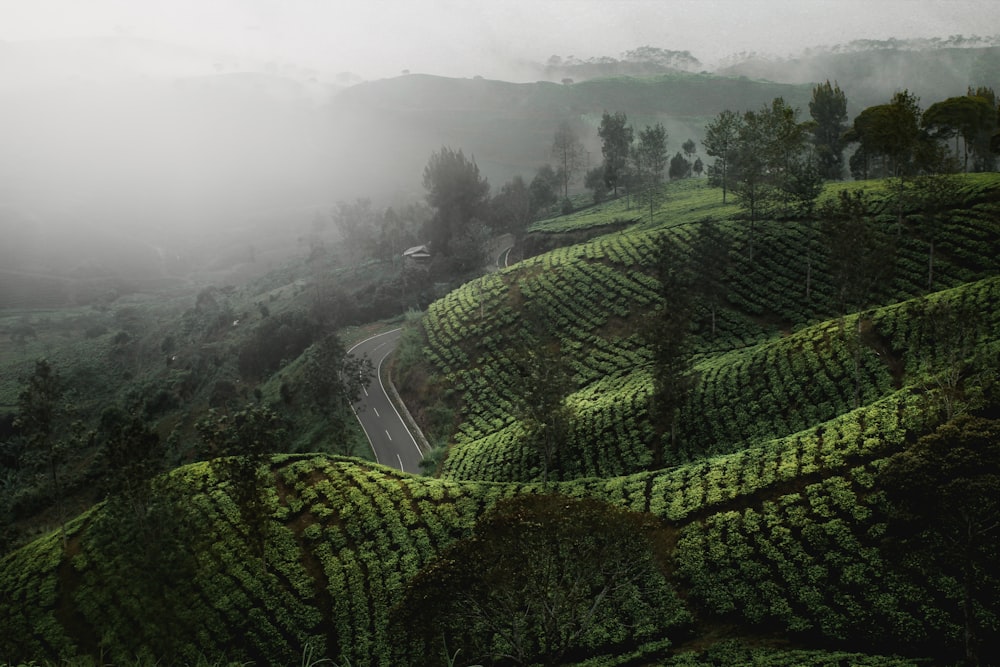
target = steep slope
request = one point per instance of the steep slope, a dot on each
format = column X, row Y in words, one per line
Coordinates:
column 756, row 378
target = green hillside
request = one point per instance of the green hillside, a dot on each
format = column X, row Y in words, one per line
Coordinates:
column 812, row 508
column 775, row 363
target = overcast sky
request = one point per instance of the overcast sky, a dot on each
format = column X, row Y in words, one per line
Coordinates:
column 377, row 38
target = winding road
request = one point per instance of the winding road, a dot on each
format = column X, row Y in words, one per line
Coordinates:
column 391, row 440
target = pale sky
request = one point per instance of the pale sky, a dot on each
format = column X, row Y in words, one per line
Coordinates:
column 378, row 38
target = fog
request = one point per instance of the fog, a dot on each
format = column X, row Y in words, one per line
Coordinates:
column 133, row 132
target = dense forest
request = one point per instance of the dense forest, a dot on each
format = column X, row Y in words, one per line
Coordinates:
column 736, row 402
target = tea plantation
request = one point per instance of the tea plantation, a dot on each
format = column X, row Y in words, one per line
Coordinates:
column 774, row 529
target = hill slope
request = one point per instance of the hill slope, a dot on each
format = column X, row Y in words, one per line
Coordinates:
column 757, row 379
column 779, row 522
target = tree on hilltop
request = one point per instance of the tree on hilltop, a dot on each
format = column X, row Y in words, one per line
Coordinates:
column 652, row 158
column 513, row 208
column 543, row 188
column 828, row 109
column 721, row 136
column 888, row 137
column 971, row 118
column 616, row 147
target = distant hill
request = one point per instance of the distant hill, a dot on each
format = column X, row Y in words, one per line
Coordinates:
column 870, row 72
column 508, row 127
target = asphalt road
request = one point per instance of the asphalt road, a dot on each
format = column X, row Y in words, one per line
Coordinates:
column 391, row 440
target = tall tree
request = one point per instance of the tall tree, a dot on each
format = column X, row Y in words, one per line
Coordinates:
column 889, row 138
column 828, row 109
column 512, row 207
column 133, row 455
column 616, row 145
column 710, row 261
column 753, row 184
column 568, row 153
column 543, row 187
column 542, row 383
column 861, row 256
column 653, row 151
column 668, row 336
column 459, row 196
column 720, row 141
column 241, row 445
column 331, row 393
column 38, row 420
column 679, row 167
column 803, row 187
column 934, row 194
column 972, row 118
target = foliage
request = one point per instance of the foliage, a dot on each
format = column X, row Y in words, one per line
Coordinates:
column 971, row 117
column 943, row 493
column 720, row 140
column 568, row 153
column 540, row 579
column 616, row 142
column 240, row 444
column 828, row 109
column 458, row 195
column 889, row 138
column 592, row 297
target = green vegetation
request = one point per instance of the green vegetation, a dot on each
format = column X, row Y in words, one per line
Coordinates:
column 710, row 433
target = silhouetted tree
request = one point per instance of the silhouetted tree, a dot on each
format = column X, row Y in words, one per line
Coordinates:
column 828, row 109
column 971, row 117
column 543, row 188
column 241, row 445
column 331, row 392
column 709, row 260
column 513, row 208
column 679, row 167
column 861, row 257
column 132, row 455
column 889, row 138
column 568, row 153
column 616, row 146
column 933, row 194
column 721, row 136
column 459, row 197
column 652, row 152
column 689, row 148
column 594, row 181
column 357, row 223
column 39, row 413
column 944, row 497
column 542, row 381
column 668, row 334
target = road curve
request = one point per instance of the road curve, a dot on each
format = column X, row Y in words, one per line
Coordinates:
column 391, row 441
